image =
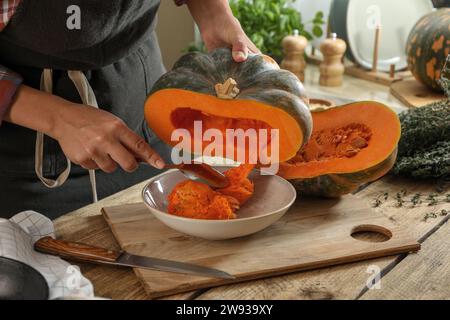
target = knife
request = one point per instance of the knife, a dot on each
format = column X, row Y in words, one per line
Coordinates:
column 87, row 253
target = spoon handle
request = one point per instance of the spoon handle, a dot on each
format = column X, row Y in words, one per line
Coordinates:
column 201, row 172
column 173, row 166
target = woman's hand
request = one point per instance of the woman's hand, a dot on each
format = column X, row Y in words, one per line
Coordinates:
column 89, row 137
column 219, row 28
column 94, row 138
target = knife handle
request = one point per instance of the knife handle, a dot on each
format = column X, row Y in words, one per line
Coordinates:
column 76, row 251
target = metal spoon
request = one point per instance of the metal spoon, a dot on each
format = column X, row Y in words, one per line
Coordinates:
column 201, row 172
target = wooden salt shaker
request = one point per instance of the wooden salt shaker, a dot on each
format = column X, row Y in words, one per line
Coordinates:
column 294, row 54
column 332, row 68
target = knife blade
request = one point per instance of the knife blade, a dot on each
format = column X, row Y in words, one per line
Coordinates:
column 87, row 253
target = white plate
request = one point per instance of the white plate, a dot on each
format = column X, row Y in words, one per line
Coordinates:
column 273, row 196
column 397, row 17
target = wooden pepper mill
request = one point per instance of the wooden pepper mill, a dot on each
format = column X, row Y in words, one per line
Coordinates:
column 332, row 68
column 294, row 54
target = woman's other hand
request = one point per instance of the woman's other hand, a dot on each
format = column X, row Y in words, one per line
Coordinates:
column 219, row 28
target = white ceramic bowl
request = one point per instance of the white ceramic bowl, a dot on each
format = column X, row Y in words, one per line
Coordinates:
column 272, row 198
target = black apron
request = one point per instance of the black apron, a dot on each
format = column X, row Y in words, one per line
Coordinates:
column 117, row 50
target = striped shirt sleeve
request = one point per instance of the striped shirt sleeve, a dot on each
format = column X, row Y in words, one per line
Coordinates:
column 9, row 83
column 7, row 10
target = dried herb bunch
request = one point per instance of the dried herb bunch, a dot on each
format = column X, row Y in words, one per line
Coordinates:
column 432, row 162
column 424, row 147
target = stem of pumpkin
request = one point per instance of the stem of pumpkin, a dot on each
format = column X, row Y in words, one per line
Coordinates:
column 227, row 90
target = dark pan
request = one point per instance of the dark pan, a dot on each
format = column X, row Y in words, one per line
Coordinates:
column 19, row 281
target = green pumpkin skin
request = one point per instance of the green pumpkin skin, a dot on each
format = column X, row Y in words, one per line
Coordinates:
column 338, row 184
column 428, row 46
column 258, row 78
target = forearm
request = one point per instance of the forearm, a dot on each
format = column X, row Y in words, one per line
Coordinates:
column 90, row 137
column 36, row 110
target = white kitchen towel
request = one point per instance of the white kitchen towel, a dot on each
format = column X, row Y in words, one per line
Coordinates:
column 17, row 237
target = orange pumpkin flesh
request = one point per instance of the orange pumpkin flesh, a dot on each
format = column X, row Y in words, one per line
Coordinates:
column 240, row 187
column 170, row 109
column 334, row 143
column 192, row 199
column 350, row 145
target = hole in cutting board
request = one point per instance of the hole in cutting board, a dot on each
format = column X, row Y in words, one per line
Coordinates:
column 371, row 233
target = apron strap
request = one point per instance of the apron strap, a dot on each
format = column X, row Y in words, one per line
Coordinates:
column 88, row 98
column 47, row 86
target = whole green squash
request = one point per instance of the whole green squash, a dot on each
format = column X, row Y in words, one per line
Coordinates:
column 428, row 46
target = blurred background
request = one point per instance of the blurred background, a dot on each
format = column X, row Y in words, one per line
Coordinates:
column 267, row 22
column 175, row 31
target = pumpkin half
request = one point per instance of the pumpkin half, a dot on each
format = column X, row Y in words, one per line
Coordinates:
column 350, row 145
column 224, row 95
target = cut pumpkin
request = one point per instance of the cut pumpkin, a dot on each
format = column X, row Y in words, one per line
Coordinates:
column 223, row 94
column 350, row 145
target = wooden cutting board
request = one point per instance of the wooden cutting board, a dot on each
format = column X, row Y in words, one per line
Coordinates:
column 314, row 233
column 414, row 94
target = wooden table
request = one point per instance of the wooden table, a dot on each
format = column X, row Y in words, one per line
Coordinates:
column 425, row 275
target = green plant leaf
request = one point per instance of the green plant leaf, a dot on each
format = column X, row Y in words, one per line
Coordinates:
column 270, row 15
column 276, row 8
column 317, row 31
column 307, row 35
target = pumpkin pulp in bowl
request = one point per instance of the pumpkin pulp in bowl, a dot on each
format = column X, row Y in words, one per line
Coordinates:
column 192, row 199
